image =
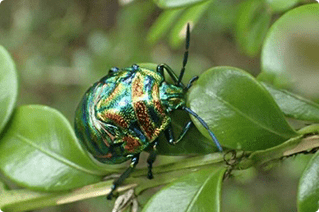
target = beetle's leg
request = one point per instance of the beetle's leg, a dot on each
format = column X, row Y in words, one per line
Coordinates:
column 203, row 123
column 161, row 67
column 190, row 83
column 123, row 176
column 170, row 135
column 150, row 160
column 185, row 56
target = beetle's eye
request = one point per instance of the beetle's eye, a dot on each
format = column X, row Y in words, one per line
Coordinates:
column 113, row 69
column 135, row 67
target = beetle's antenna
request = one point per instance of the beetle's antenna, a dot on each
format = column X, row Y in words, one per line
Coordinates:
column 185, row 56
column 206, row 127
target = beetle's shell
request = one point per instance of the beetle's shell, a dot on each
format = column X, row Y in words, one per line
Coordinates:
column 121, row 114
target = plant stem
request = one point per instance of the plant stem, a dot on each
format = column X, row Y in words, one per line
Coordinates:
column 24, row 199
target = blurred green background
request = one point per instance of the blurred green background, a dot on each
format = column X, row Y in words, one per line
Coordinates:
column 62, row 47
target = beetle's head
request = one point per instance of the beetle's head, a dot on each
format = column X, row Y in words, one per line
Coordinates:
column 172, row 96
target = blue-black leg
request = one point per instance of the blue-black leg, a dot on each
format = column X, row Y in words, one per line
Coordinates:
column 161, row 67
column 151, row 159
column 190, row 83
column 170, row 135
column 203, row 123
column 123, row 176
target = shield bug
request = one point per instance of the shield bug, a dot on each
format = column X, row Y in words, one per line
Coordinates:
column 125, row 111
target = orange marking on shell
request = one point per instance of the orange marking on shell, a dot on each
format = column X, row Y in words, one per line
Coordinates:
column 143, row 118
column 157, row 132
column 137, row 88
column 108, row 155
column 105, row 142
column 112, row 137
column 131, row 143
column 116, row 118
column 156, row 100
column 159, row 107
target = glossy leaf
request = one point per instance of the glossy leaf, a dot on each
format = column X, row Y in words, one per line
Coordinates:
column 193, row 142
column 162, row 24
column 8, row 87
column 169, row 4
column 294, row 106
column 289, row 55
column 191, row 15
column 239, row 110
column 40, row 151
column 199, row 191
column 308, row 191
column 281, row 5
column 252, row 24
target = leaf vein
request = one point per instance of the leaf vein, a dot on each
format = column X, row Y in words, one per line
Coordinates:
column 245, row 115
column 189, row 207
column 57, row 157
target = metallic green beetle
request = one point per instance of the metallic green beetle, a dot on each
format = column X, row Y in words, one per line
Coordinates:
column 124, row 112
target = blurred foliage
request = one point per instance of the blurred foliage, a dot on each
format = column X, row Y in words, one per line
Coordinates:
column 61, row 47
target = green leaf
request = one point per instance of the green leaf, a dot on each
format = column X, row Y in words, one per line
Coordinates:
column 169, row 4
column 40, row 151
column 238, row 110
column 308, row 190
column 8, row 87
column 281, row 5
column 294, row 106
column 251, row 27
column 291, row 49
column 191, row 16
column 199, row 191
column 161, row 26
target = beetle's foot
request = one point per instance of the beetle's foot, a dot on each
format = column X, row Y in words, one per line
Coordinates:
column 109, row 196
column 150, row 161
column 150, row 175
